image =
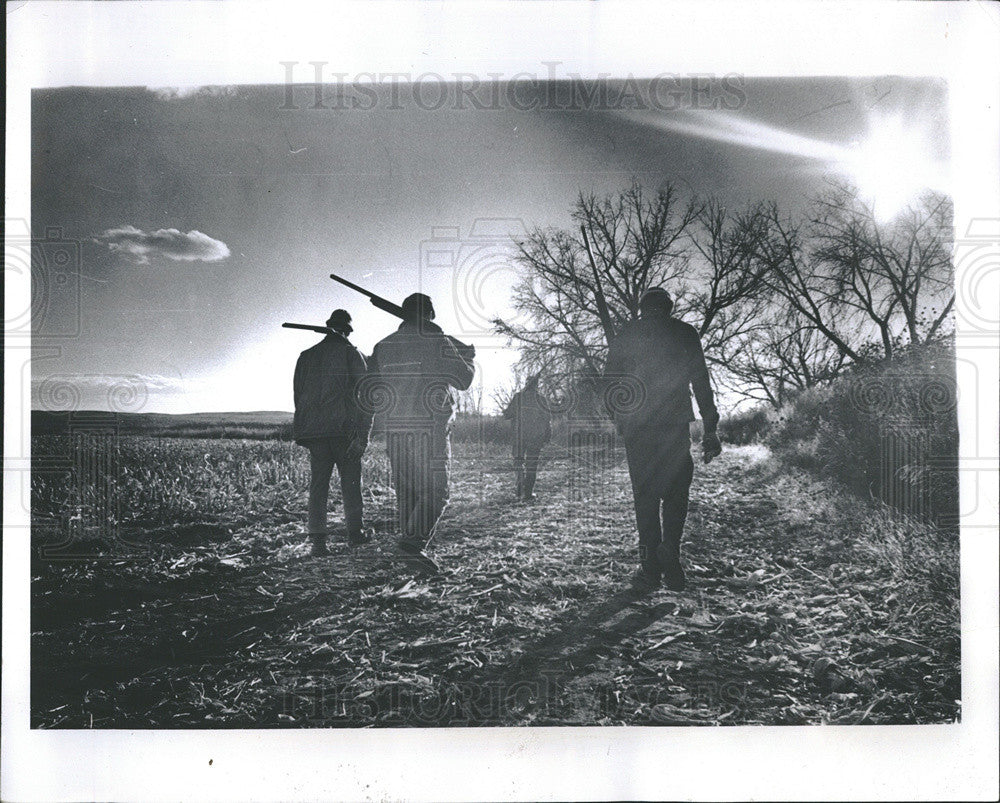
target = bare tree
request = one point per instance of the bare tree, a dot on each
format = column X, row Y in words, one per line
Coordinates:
column 791, row 274
column 699, row 251
column 856, row 280
column 503, row 393
column 782, row 353
column 899, row 275
column 470, row 401
column 731, row 297
column 781, row 303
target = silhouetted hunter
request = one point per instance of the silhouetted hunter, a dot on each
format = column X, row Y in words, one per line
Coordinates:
column 658, row 360
column 331, row 424
column 532, row 429
column 418, row 366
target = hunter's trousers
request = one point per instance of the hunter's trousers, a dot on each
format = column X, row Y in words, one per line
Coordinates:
column 526, row 455
column 324, row 454
column 419, row 458
column 661, row 469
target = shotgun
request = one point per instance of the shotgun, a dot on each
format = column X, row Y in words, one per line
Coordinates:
column 602, row 305
column 323, row 330
column 465, row 351
column 377, row 301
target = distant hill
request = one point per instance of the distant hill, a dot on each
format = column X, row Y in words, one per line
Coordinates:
column 256, row 424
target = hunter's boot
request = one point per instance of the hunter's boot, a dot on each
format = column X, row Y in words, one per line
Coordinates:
column 647, row 577
column 669, row 555
column 319, row 549
column 410, row 553
column 528, row 487
column 359, row 536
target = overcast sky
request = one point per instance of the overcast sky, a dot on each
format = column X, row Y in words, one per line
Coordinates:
column 205, row 219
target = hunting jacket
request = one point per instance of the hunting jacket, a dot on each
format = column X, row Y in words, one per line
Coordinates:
column 417, row 370
column 326, row 383
column 531, row 417
column 653, row 364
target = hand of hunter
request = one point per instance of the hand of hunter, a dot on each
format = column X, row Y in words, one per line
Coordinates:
column 711, row 447
column 357, row 447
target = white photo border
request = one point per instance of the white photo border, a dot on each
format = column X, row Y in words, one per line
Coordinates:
column 237, row 41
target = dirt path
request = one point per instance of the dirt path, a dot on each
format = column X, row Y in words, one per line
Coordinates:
column 806, row 606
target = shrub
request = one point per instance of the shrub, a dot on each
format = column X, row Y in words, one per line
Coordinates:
column 476, row 428
column 749, row 426
column 889, row 431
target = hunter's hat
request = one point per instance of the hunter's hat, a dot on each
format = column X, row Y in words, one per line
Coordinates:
column 340, row 319
column 418, row 307
column 656, row 297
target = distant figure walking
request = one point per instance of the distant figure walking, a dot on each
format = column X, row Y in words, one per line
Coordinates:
column 532, row 429
column 653, row 364
column 417, row 368
column 331, row 424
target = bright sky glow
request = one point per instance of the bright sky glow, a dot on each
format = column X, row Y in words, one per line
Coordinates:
column 396, row 199
column 891, row 166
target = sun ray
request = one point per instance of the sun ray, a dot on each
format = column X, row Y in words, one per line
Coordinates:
column 890, row 166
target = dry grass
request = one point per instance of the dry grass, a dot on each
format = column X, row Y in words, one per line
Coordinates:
column 200, row 608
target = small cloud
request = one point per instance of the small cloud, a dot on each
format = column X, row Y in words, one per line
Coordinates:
column 170, row 243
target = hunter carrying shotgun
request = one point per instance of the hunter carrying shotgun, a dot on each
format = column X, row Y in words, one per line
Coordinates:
column 467, row 351
column 331, row 425
column 412, row 375
column 657, row 359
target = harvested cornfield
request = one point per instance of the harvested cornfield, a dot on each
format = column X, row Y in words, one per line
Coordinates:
column 172, row 588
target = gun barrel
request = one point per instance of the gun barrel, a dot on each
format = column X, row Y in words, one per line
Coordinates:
column 383, row 304
column 352, row 285
column 602, row 305
column 323, row 330
column 468, row 352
